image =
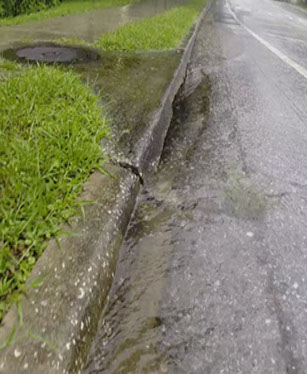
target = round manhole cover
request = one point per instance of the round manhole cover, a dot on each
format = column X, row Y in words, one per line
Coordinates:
column 52, row 54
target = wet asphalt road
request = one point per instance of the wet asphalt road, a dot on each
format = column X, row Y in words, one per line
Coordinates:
column 213, row 272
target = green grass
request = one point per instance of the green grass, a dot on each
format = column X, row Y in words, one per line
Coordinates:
column 7, row 66
column 50, row 128
column 161, row 32
column 66, row 8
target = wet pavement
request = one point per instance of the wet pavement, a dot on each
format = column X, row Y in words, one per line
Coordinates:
column 212, row 273
column 86, row 26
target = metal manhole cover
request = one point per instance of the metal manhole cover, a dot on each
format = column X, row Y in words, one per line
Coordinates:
column 52, row 54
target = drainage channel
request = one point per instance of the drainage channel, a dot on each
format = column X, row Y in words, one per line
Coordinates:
column 131, row 336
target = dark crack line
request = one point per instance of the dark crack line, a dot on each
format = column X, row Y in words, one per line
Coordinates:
column 133, row 169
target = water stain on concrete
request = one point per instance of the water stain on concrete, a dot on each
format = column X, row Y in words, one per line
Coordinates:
column 243, row 200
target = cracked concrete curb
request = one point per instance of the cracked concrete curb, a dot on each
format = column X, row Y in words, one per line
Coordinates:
column 148, row 148
column 71, row 281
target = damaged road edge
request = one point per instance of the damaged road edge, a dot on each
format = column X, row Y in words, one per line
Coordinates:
column 70, row 282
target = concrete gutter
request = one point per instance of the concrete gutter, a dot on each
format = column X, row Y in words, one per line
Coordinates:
column 71, row 283
column 149, row 147
column 144, row 156
column 57, row 318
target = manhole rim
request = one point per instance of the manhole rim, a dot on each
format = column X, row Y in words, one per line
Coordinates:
column 86, row 55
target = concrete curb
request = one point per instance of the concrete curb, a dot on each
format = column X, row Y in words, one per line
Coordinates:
column 148, row 148
column 69, row 286
column 72, row 282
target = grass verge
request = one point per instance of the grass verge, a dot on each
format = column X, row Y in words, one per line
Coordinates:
column 161, row 32
column 50, row 130
column 64, row 9
column 50, row 127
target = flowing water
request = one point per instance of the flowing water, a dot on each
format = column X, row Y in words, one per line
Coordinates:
column 212, row 273
column 131, row 337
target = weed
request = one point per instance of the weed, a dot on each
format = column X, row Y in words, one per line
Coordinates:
column 161, row 32
column 50, row 128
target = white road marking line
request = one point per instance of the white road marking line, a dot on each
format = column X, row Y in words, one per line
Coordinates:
column 286, row 59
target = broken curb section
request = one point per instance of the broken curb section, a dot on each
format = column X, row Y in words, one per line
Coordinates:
column 51, row 329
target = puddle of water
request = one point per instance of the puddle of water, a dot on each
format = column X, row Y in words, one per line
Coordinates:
column 88, row 26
